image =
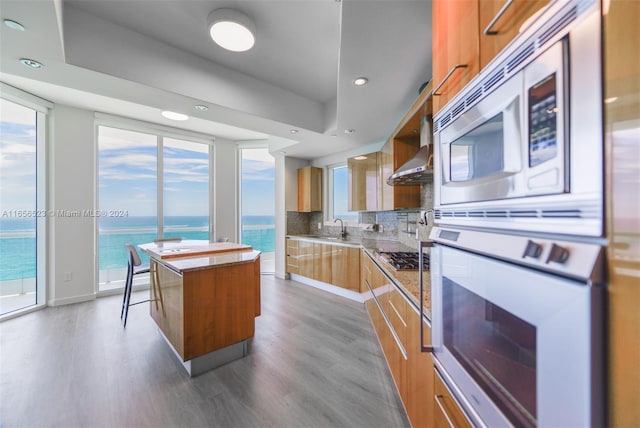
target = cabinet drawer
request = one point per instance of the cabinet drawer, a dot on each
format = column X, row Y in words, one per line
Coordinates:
column 292, row 247
column 447, row 411
column 395, row 306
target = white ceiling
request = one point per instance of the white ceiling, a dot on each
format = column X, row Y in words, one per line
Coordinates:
column 136, row 58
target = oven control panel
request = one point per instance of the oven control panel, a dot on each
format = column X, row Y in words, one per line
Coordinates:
column 574, row 259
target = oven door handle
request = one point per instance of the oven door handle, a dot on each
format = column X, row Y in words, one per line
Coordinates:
column 421, row 247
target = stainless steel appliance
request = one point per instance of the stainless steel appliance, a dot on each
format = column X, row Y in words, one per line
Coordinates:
column 516, row 258
column 520, row 147
column 517, row 327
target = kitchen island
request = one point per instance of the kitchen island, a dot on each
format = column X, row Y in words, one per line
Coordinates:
column 204, row 298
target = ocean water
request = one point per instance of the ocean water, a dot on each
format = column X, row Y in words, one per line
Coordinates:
column 18, row 239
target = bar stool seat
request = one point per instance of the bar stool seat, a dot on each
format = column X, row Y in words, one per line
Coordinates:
column 134, row 267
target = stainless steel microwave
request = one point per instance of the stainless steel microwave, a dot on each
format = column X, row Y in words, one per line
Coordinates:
column 521, row 147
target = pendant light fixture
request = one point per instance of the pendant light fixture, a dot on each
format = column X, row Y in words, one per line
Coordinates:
column 231, row 30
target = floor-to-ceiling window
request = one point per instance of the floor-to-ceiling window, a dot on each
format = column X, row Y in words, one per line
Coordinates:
column 22, row 209
column 149, row 186
column 185, row 189
column 257, row 204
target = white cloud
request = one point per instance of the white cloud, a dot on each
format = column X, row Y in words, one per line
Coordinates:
column 14, row 113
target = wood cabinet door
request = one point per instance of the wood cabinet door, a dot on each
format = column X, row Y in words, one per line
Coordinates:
column 305, row 258
column 505, row 26
column 419, row 404
column 345, row 267
column 322, row 262
column 622, row 151
column 292, row 256
column 309, row 189
column 363, row 186
column 456, row 50
column 447, row 411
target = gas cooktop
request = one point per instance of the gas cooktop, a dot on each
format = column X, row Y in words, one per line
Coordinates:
column 404, row 260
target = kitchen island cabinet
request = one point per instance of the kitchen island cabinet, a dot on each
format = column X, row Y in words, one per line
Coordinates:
column 205, row 300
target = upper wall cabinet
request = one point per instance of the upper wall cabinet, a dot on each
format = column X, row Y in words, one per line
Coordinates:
column 455, row 48
column 364, row 182
column 468, row 34
column 500, row 22
column 309, row 189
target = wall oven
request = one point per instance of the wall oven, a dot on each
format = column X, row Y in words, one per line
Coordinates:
column 523, row 141
column 517, row 327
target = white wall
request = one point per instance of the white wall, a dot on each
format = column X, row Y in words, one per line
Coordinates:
column 71, row 189
column 226, row 190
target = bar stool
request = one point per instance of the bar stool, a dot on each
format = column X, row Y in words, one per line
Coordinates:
column 134, row 267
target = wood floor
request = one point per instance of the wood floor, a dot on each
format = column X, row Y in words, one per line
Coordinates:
column 314, row 362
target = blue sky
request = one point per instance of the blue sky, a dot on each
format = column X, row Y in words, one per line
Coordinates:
column 128, row 171
column 258, row 182
column 17, row 157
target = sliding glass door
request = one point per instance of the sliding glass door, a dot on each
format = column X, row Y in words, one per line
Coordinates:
column 149, row 186
column 257, row 181
column 22, row 215
column 185, row 189
column 127, row 189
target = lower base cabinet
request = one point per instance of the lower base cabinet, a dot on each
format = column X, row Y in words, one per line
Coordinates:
column 397, row 325
column 448, row 413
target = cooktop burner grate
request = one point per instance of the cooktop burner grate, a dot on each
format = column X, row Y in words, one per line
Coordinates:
column 404, row 260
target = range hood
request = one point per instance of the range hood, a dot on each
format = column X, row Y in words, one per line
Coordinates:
column 417, row 170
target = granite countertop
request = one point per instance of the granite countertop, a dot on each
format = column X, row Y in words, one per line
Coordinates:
column 189, row 255
column 406, row 281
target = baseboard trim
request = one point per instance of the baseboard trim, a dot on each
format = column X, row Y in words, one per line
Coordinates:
column 71, row 300
column 333, row 289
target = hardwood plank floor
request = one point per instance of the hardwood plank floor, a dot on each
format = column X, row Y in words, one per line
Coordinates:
column 314, row 362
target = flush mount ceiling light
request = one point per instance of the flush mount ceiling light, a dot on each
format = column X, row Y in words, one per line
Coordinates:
column 174, row 116
column 231, row 30
column 360, row 81
column 14, row 25
column 31, row 63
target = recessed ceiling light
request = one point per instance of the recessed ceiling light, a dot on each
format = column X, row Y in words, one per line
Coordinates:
column 201, row 107
column 360, row 157
column 349, row 131
column 31, row 63
column 174, row 116
column 611, row 100
column 294, row 131
column 14, row 25
column 231, row 30
column 360, row 81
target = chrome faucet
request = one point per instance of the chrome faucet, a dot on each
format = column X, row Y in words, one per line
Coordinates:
column 343, row 231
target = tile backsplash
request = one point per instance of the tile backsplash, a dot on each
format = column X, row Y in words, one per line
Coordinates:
column 398, row 225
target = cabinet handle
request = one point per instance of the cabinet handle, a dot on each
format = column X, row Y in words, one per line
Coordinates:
column 455, row 67
column 389, row 325
column 421, row 247
column 439, row 399
column 488, row 31
column 397, row 313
